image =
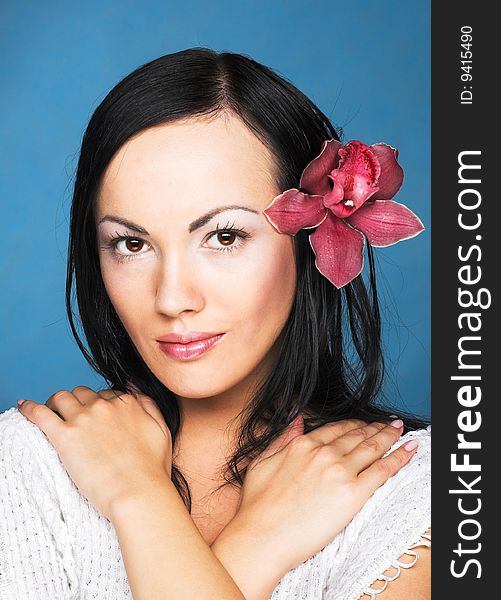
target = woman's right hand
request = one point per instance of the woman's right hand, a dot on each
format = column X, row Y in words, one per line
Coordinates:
column 305, row 488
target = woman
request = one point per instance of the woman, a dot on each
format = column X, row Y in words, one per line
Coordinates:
column 239, row 452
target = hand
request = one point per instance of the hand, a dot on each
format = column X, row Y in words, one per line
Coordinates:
column 112, row 444
column 305, row 488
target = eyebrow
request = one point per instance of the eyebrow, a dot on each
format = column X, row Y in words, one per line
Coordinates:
column 196, row 224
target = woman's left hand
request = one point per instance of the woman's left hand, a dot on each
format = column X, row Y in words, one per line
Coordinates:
column 112, row 444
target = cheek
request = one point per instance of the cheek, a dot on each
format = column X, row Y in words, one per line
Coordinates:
column 266, row 291
column 255, row 299
column 126, row 293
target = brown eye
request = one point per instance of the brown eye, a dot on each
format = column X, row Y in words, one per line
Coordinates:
column 124, row 248
column 226, row 237
column 132, row 244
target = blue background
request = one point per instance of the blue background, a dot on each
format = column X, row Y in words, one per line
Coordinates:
column 366, row 64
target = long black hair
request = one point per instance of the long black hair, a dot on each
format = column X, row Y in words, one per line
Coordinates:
column 330, row 366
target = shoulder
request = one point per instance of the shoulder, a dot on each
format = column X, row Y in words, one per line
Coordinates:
column 18, row 436
column 30, row 468
column 27, row 447
column 35, row 552
column 383, row 538
column 404, row 498
column 16, row 428
column 30, row 463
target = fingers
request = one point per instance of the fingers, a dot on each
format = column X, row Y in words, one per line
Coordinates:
column 67, row 404
column 329, row 432
column 384, row 468
column 371, row 447
column 110, row 394
column 85, row 395
column 43, row 417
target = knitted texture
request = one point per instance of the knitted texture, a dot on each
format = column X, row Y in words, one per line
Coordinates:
column 54, row 545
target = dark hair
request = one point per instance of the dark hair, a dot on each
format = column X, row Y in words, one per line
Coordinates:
column 331, row 365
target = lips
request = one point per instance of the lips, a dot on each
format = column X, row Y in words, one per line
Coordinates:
column 189, row 336
column 188, row 345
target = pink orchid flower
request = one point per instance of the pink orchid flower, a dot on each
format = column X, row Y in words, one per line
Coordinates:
column 348, row 198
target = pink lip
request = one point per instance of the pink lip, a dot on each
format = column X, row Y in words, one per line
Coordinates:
column 188, row 345
column 189, row 336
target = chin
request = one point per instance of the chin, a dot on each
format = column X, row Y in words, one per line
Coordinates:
column 201, row 386
column 194, row 384
column 204, row 378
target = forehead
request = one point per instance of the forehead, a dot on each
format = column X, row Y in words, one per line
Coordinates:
column 192, row 165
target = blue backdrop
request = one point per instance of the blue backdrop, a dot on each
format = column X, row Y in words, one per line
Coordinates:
column 366, row 64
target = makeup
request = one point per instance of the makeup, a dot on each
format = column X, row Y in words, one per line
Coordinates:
column 190, row 349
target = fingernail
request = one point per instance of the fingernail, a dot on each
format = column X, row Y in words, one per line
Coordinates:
column 398, row 423
column 428, row 428
column 411, row 445
column 393, row 416
column 20, row 401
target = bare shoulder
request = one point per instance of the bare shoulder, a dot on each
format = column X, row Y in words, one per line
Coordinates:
column 413, row 583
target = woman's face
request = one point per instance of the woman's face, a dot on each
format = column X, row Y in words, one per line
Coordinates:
column 172, row 272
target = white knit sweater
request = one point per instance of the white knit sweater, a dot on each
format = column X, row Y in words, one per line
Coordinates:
column 55, row 546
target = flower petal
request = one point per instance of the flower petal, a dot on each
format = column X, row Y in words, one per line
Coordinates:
column 335, row 196
column 392, row 174
column 293, row 210
column 386, row 222
column 338, row 249
column 315, row 176
column 358, row 174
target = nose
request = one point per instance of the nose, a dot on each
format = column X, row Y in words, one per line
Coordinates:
column 178, row 289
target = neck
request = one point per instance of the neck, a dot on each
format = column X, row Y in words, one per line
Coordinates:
column 210, row 425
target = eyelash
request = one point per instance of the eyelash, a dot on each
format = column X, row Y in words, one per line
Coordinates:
column 112, row 243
